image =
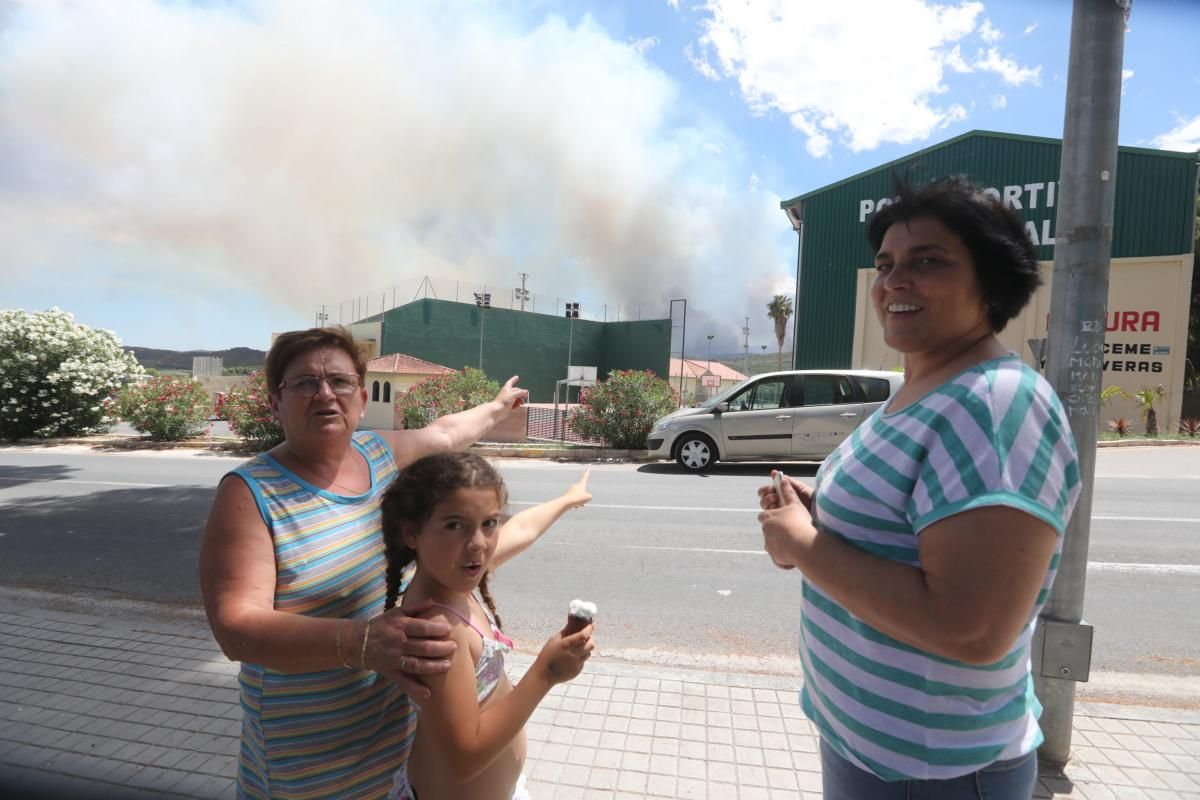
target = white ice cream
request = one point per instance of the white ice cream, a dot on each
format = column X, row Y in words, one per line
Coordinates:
column 582, row 609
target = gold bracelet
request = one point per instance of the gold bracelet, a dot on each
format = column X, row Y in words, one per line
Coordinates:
column 337, row 640
column 366, row 636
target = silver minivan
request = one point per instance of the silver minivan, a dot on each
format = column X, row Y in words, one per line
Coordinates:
column 800, row 415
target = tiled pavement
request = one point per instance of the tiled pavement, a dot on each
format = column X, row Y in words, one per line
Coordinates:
column 95, row 708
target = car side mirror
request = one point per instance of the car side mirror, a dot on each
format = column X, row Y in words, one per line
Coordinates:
column 722, row 407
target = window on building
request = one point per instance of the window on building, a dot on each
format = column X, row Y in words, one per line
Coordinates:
column 375, row 391
column 387, row 391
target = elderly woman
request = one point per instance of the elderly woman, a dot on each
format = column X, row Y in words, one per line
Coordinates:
column 931, row 538
column 292, row 572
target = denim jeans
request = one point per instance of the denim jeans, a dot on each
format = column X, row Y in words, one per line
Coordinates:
column 1003, row 780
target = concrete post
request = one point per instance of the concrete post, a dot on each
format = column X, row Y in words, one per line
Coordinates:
column 1078, row 306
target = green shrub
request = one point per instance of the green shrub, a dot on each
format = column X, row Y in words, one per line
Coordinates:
column 445, row 394
column 166, row 408
column 57, row 377
column 247, row 409
column 621, row 410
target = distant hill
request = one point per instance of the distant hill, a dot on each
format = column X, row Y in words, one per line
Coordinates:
column 151, row 358
column 759, row 362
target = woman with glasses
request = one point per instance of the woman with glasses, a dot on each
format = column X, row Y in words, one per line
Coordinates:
column 292, row 566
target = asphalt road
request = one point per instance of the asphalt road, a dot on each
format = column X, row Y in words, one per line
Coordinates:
column 673, row 561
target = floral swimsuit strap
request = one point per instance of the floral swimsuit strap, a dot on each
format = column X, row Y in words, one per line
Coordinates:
column 491, row 661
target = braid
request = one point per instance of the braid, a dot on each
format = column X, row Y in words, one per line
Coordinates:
column 488, row 601
column 397, row 554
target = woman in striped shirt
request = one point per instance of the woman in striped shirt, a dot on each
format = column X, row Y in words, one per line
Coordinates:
column 292, row 572
column 930, row 541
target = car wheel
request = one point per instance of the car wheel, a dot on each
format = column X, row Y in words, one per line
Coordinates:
column 696, row 453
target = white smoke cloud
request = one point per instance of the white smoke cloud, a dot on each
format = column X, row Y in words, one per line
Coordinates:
column 313, row 151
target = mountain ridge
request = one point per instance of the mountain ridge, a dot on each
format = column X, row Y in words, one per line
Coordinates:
column 157, row 358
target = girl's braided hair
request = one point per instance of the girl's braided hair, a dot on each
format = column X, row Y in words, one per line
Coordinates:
column 411, row 499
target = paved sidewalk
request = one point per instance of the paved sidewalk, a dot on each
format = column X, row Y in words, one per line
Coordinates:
column 95, row 708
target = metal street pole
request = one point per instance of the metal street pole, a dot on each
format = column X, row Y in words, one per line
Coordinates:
column 746, row 345
column 1074, row 362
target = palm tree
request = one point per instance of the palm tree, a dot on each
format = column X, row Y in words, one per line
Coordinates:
column 1109, row 392
column 1145, row 397
column 780, row 310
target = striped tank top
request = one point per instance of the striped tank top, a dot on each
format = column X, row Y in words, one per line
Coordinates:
column 336, row 733
column 995, row 435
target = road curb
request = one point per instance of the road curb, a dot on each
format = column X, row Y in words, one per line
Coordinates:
column 1148, row 442
column 233, row 447
column 230, row 446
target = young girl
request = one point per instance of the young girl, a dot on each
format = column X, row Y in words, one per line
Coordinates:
column 444, row 512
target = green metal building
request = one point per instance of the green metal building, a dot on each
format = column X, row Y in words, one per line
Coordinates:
column 1153, row 216
column 534, row 346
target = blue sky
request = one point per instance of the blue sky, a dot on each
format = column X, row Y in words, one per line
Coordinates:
column 198, row 175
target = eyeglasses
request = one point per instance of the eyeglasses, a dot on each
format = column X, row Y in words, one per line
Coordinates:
column 340, row 383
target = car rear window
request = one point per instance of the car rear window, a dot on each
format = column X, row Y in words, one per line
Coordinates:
column 876, row 389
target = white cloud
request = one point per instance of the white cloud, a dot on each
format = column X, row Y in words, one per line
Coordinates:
column 1009, row 70
column 1184, row 137
column 713, row 147
column 673, row 4
column 988, row 33
column 753, row 184
column 865, row 74
column 1030, row 28
column 700, row 63
column 644, row 44
column 1126, row 74
column 955, row 61
column 999, row 102
column 261, row 151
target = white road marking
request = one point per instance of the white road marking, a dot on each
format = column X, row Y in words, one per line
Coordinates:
column 1093, row 566
column 91, row 483
column 1145, row 519
column 644, row 508
column 1151, row 477
column 1144, row 569
column 753, row 510
column 618, row 506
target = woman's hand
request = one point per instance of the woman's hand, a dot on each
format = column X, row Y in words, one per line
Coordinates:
column 403, row 647
column 562, row 657
column 511, row 397
column 577, row 495
column 767, row 497
column 787, row 524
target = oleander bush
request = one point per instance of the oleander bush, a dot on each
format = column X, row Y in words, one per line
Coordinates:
column 57, row 377
column 621, row 410
column 445, row 394
column 165, row 407
column 247, row 409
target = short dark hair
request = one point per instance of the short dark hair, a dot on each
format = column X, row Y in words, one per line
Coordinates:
column 1005, row 260
column 288, row 346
